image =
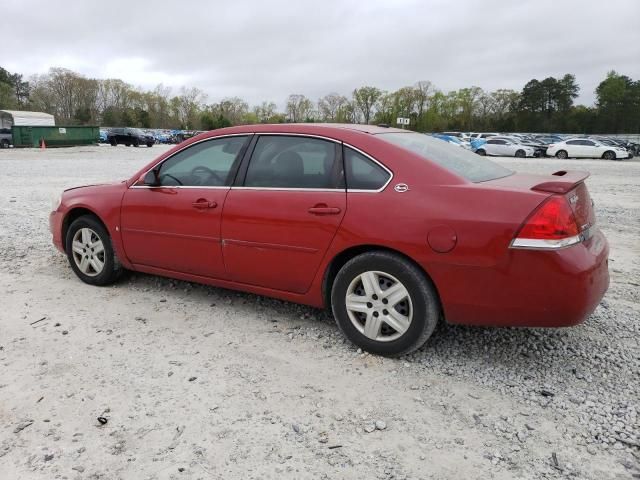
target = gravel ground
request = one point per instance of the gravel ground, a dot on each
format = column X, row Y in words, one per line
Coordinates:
column 198, row 382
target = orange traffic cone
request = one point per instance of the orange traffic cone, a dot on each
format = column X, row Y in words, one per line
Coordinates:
column 43, row 145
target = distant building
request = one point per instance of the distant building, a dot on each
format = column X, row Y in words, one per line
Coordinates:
column 9, row 118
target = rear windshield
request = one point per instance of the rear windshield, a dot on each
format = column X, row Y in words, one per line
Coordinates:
column 458, row 160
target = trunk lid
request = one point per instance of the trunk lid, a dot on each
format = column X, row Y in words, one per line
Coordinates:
column 568, row 184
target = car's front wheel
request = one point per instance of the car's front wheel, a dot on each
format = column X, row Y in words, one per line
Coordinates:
column 609, row 155
column 481, row 152
column 384, row 303
column 562, row 154
column 90, row 252
column 520, row 153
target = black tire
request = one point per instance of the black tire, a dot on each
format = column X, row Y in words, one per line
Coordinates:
column 481, row 152
column 112, row 268
column 149, row 144
column 424, row 302
column 4, row 143
column 562, row 154
column 136, row 143
column 520, row 153
column 609, row 155
column 113, row 142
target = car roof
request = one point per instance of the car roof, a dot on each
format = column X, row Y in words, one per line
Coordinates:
column 307, row 128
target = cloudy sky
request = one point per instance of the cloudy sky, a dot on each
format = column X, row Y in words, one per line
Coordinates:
column 265, row 50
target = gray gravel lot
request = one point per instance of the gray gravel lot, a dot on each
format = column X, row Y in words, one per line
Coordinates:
column 199, row 382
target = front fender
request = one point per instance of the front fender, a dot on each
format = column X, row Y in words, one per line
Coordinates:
column 103, row 201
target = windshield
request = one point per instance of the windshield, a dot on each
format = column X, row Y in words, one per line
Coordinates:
column 462, row 162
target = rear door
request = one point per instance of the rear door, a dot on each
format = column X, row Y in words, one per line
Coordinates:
column 175, row 226
column 280, row 219
column 495, row 147
column 575, row 148
column 589, row 149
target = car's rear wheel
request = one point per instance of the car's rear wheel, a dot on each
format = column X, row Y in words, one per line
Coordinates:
column 113, row 142
column 481, row 152
column 90, row 252
column 384, row 303
column 609, row 155
column 149, row 144
column 562, row 154
column 4, row 143
column 520, row 153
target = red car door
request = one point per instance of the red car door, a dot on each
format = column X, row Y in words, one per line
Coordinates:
column 279, row 222
column 173, row 221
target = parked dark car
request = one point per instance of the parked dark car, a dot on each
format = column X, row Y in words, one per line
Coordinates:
column 5, row 137
column 128, row 137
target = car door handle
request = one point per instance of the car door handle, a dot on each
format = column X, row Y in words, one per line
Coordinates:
column 202, row 204
column 324, row 210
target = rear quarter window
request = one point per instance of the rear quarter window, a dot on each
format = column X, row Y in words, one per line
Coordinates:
column 457, row 160
column 363, row 173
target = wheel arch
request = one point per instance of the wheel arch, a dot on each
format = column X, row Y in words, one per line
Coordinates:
column 72, row 215
column 340, row 259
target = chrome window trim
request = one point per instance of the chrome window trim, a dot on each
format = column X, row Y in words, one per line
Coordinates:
column 341, row 190
column 292, row 134
column 183, row 187
column 134, row 185
column 348, row 190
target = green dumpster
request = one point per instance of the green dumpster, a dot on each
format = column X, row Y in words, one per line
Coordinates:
column 58, row 136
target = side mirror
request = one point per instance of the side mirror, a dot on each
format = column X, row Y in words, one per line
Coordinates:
column 151, row 179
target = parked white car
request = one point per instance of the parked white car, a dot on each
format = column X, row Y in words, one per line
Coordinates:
column 504, row 147
column 586, row 148
column 482, row 135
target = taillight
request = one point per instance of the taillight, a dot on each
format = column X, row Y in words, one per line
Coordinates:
column 552, row 225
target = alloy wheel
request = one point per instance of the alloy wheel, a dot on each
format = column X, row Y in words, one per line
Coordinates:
column 88, row 252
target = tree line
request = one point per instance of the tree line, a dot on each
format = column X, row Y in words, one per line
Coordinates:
column 541, row 106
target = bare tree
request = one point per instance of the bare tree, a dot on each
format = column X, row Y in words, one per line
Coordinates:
column 233, row 109
column 188, row 105
column 329, row 106
column 423, row 91
column 298, row 108
column 265, row 112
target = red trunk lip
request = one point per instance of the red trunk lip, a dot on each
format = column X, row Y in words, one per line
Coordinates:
column 566, row 182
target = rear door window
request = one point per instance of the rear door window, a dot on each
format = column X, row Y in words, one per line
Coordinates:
column 280, row 161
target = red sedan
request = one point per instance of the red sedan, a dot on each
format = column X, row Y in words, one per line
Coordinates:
column 392, row 229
